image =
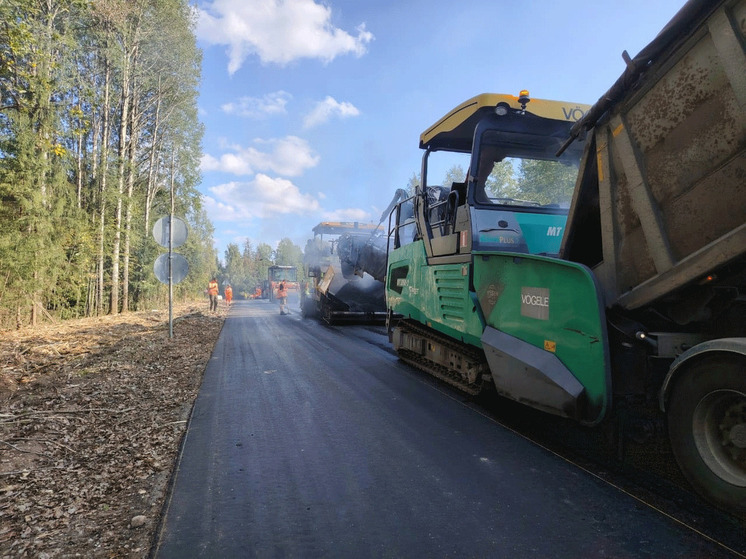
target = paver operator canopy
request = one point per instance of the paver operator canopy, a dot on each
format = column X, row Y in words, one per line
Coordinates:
column 455, row 131
column 513, row 142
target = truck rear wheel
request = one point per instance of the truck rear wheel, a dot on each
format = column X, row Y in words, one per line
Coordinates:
column 707, row 428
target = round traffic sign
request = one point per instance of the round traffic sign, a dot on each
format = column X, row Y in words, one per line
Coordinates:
column 179, row 268
column 161, row 231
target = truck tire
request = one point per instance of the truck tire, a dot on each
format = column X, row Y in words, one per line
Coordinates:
column 707, row 429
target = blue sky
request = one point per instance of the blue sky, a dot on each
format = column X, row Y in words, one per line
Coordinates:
column 313, row 109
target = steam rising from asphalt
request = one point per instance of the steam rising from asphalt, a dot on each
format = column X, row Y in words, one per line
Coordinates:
column 352, row 258
column 360, row 254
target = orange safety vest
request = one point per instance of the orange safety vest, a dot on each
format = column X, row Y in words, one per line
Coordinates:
column 228, row 293
column 282, row 291
column 212, row 288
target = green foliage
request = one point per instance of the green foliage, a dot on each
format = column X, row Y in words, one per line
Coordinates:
column 263, row 258
column 236, row 270
column 542, row 182
column 288, row 254
column 199, row 253
column 502, row 182
column 64, row 69
column 246, row 270
column 454, row 174
column 414, row 181
column 547, row 182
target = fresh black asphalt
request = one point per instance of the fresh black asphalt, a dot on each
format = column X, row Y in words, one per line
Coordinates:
column 316, row 441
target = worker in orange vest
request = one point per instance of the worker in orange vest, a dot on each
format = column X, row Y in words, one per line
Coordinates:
column 228, row 294
column 212, row 291
column 282, row 297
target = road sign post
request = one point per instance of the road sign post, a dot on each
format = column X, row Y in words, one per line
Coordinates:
column 170, row 268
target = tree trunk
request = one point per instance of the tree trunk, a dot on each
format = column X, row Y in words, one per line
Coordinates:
column 34, row 297
column 152, row 186
column 131, row 168
column 79, row 163
column 105, row 125
column 122, row 164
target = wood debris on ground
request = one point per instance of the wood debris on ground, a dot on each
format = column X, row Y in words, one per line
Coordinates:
column 92, row 412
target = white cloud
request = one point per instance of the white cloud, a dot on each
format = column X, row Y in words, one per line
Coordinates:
column 347, row 214
column 276, row 31
column 227, row 163
column 259, row 107
column 289, row 157
column 326, row 109
column 263, row 197
column 219, row 210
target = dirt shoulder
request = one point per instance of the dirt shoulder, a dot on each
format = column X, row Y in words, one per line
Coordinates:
column 92, row 412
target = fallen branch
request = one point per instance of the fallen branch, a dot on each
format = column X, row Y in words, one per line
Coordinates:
column 51, row 346
column 44, row 311
column 151, row 428
column 34, row 413
column 50, row 442
column 14, row 447
column 28, row 471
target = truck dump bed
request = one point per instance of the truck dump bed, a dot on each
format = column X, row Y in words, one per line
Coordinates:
column 660, row 201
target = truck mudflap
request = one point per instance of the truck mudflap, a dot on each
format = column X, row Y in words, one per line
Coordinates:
column 532, row 376
column 736, row 346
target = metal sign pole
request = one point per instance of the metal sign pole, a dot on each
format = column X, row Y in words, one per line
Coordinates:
column 170, row 279
column 170, row 262
column 170, row 267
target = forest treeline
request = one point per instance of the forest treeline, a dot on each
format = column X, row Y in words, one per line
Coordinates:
column 245, row 268
column 98, row 128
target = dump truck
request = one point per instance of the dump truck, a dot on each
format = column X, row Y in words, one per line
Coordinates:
column 623, row 289
column 338, row 290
